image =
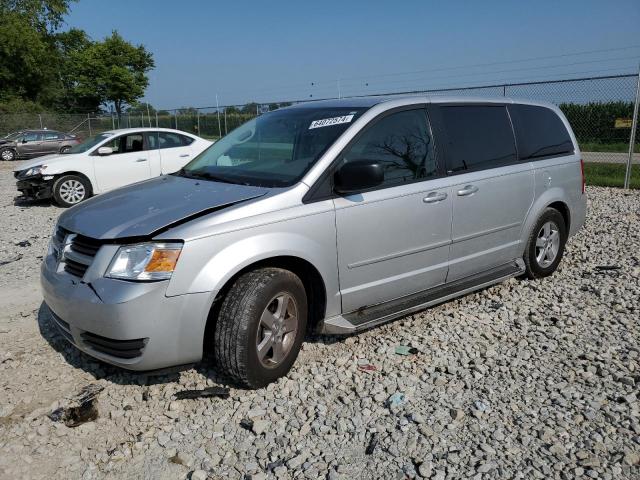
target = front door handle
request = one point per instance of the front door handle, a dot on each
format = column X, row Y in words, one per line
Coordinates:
column 467, row 190
column 141, row 160
column 434, row 197
column 184, row 155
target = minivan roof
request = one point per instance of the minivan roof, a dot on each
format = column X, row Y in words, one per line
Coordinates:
column 368, row 102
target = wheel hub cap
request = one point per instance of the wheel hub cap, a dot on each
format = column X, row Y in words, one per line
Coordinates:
column 547, row 244
column 72, row 191
column 277, row 330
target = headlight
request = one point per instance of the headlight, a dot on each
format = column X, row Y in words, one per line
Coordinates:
column 37, row 170
column 145, row 261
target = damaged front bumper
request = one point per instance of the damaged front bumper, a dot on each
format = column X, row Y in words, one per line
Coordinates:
column 35, row 188
column 133, row 325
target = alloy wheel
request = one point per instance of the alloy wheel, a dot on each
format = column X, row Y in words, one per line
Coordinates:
column 72, row 191
column 277, row 330
column 547, row 244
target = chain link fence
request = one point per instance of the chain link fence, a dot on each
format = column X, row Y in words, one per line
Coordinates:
column 600, row 110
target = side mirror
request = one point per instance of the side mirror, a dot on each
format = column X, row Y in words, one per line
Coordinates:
column 358, row 175
column 24, row 140
column 102, row 151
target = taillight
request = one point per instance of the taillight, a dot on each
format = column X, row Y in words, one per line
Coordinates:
column 584, row 183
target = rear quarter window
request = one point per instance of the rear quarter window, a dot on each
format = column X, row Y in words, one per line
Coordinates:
column 477, row 137
column 539, row 132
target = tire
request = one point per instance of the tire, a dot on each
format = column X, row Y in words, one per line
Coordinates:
column 545, row 245
column 244, row 347
column 8, row 155
column 65, row 149
column 69, row 190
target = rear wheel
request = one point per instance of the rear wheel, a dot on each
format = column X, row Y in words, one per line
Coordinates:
column 261, row 326
column 70, row 190
column 546, row 243
column 8, row 155
column 65, row 149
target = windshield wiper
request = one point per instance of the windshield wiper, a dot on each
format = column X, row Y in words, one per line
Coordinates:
column 206, row 175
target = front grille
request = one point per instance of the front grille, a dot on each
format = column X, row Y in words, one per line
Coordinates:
column 78, row 251
column 116, row 348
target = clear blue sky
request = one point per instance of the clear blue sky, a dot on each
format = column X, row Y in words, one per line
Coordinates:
column 274, row 50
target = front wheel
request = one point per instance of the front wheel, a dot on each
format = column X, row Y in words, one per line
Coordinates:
column 546, row 243
column 70, row 190
column 8, row 155
column 261, row 326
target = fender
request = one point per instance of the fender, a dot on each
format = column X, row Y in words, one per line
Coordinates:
column 542, row 201
column 312, row 240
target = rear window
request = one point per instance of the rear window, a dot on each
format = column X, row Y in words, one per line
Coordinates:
column 478, row 137
column 539, row 132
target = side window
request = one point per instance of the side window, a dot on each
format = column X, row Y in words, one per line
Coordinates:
column 478, row 137
column 32, row 137
column 539, row 132
column 186, row 140
column 126, row 143
column 152, row 140
column 52, row 136
column 402, row 143
column 170, row 140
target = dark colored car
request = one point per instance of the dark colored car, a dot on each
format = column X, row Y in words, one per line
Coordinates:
column 33, row 143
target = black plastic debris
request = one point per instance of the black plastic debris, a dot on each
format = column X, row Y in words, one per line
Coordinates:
column 23, row 243
column 9, row 260
column 83, row 407
column 605, row 268
column 273, row 465
column 246, row 423
column 373, row 443
column 220, row 392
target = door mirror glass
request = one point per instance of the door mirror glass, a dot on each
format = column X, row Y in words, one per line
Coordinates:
column 24, row 140
column 105, row 151
column 358, row 175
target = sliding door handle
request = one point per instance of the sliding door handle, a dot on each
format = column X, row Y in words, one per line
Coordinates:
column 467, row 190
column 434, row 197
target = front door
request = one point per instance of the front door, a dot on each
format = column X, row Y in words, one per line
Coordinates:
column 129, row 162
column 394, row 240
column 492, row 191
column 29, row 145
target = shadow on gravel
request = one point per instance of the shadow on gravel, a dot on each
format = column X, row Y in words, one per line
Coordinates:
column 21, row 202
column 100, row 370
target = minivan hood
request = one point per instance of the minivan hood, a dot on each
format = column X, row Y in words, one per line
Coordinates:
column 144, row 208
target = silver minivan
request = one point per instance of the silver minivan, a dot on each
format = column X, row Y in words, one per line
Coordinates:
column 333, row 216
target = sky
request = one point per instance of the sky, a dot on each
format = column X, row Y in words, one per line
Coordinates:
column 262, row 51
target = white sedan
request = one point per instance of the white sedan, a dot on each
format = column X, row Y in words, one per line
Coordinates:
column 106, row 161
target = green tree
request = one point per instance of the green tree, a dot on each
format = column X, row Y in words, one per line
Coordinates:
column 142, row 107
column 114, row 70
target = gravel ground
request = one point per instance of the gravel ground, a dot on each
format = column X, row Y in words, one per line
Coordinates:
column 522, row 380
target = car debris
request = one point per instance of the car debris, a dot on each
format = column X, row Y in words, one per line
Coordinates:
column 367, row 368
column 9, row 260
column 405, row 350
column 396, row 400
column 373, row 443
column 220, row 392
column 83, row 407
column 605, row 268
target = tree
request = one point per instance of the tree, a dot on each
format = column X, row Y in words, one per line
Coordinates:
column 114, row 70
column 141, row 108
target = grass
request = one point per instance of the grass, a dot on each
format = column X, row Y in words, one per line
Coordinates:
column 618, row 147
column 610, row 175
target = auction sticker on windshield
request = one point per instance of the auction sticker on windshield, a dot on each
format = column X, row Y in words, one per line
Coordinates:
column 327, row 122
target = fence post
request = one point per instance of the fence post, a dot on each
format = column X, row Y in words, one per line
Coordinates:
column 198, row 119
column 225, row 120
column 89, row 122
column 632, row 137
column 40, row 117
column 113, row 122
column 156, row 119
column 504, row 90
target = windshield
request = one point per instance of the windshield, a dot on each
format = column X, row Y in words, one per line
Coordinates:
column 89, row 143
column 13, row 135
column 273, row 150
